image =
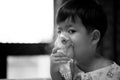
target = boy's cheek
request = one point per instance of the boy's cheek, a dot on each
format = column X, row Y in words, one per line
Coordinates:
column 81, row 52
column 80, row 47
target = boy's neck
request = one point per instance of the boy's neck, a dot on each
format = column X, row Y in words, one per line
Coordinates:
column 94, row 63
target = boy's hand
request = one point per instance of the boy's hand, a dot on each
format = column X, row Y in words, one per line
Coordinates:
column 57, row 58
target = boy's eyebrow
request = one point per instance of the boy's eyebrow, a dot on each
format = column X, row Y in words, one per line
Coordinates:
column 60, row 28
column 66, row 27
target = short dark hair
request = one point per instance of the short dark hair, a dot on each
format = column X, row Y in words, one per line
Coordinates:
column 90, row 12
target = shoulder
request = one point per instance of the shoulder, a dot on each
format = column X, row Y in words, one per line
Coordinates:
column 114, row 72
column 115, row 68
column 111, row 72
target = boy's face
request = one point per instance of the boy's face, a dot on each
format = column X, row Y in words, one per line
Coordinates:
column 81, row 39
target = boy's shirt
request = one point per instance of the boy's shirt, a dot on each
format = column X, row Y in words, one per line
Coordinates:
column 111, row 72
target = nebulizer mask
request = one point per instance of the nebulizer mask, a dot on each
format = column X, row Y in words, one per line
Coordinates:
column 65, row 45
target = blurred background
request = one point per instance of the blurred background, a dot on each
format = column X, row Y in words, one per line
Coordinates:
column 27, row 31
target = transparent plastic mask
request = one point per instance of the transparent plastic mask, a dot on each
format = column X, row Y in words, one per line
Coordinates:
column 65, row 45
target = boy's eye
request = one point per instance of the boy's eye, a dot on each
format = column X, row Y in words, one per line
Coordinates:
column 58, row 31
column 71, row 31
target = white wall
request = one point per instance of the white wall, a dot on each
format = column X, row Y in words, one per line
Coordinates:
column 26, row 21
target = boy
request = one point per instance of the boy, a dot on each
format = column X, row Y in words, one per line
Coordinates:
column 83, row 23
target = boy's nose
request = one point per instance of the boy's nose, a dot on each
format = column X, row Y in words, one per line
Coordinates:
column 64, row 39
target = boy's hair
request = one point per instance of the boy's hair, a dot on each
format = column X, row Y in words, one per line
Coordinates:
column 91, row 14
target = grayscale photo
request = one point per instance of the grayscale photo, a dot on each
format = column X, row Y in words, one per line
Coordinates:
column 59, row 40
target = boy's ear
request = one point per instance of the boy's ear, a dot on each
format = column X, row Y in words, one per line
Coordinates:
column 95, row 36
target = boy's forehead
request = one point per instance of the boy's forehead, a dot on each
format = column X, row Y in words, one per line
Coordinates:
column 69, row 23
column 66, row 24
